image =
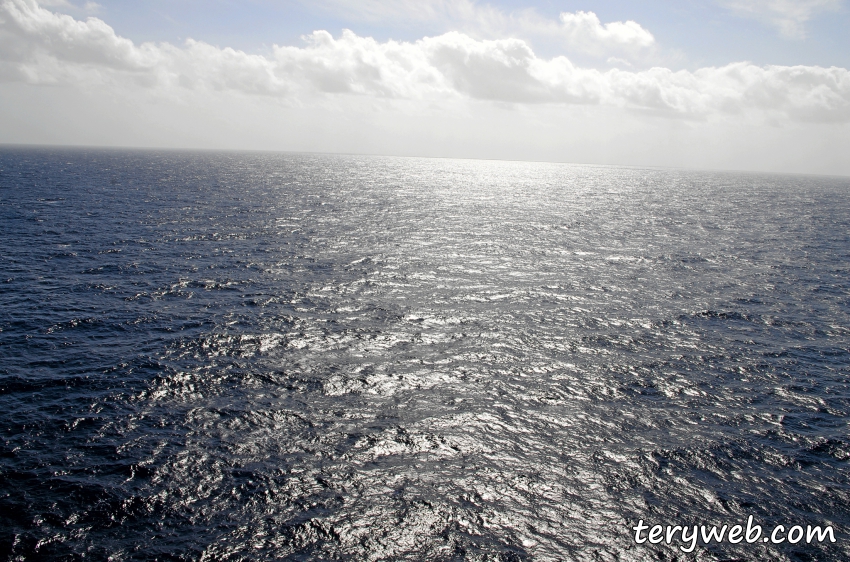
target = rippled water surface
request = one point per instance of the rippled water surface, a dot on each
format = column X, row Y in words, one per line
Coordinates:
column 227, row 356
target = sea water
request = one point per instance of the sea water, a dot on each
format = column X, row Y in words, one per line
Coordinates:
column 249, row 356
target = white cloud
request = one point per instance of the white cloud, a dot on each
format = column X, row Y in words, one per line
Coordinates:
column 579, row 32
column 36, row 38
column 584, row 28
column 41, row 47
column 789, row 16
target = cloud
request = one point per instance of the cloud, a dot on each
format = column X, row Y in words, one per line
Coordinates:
column 584, row 28
column 789, row 16
column 36, row 38
column 40, row 47
column 579, row 32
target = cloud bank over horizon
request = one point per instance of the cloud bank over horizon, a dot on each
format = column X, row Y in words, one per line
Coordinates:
column 41, row 48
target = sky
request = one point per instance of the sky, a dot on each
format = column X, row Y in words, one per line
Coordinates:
column 759, row 85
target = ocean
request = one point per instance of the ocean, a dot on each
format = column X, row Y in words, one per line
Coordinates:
column 259, row 356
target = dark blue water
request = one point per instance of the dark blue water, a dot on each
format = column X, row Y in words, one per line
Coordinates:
column 229, row 356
